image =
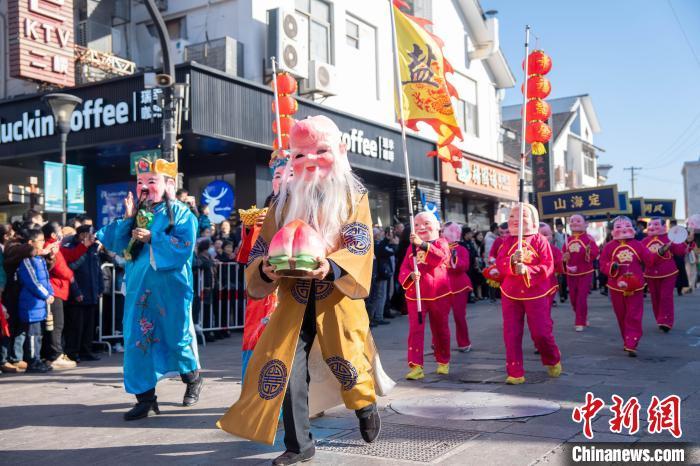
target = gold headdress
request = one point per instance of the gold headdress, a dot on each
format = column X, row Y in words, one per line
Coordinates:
column 158, row 166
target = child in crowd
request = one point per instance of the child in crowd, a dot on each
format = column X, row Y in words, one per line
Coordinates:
column 35, row 293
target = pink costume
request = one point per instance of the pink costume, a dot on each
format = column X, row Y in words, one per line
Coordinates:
column 582, row 251
column 496, row 247
column 435, row 300
column 528, row 294
column 557, row 255
column 623, row 260
column 460, row 285
column 661, row 276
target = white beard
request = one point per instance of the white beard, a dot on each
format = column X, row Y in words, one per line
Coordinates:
column 325, row 204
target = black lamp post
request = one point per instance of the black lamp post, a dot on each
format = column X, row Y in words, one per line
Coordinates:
column 62, row 106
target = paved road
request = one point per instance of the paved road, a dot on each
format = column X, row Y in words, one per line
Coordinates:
column 75, row 417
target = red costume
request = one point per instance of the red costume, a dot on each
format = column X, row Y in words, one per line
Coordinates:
column 580, row 251
column 623, row 260
column 460, row 284
column 661, row 276
column 435, row 295
column 527, row 293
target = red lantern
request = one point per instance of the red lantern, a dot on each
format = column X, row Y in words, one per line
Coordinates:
column 286, row 84
column 286, row 124
column 538, row 87
column 285, row 142
column 538, row 62
column 537, row 109
column 537, row 133
column 288, row 105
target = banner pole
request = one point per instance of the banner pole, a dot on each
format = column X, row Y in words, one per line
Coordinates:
column 399, row 97
column 523, row 153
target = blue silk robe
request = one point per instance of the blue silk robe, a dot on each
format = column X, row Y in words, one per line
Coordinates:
column 159, row 337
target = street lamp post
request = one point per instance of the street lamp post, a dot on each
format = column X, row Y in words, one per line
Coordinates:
column 62, row 106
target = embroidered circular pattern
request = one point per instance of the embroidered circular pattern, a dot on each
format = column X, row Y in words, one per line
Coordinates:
column 343, row 371
column 259, row 249
column 273, row 378
column 300, row 291
column 356, row 238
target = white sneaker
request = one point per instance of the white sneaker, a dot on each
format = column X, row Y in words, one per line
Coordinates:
column 579, row 328
column 465, row 349
column 63, row 362
column 118, row 348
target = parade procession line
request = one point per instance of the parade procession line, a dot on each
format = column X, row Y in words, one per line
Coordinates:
column 75, row 417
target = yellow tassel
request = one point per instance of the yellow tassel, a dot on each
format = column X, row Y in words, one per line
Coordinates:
column 538, row 148
column 493, row 283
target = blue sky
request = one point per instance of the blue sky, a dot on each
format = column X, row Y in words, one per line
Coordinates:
column 632, row 58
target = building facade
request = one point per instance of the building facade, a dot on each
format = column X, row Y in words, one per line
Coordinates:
column 343, row 58
column 691, row 187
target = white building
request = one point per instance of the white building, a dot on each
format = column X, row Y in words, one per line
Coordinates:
column 691, row 187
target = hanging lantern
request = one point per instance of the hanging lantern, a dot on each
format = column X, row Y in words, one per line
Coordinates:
column 538, row 87
column 537, row 133
column 288, row 105
column 537, row 110
column 286, row 124
column 538, row 62
column 286, row 84
column 285, row 142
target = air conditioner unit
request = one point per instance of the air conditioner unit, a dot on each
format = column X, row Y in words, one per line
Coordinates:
column 323, row 79
column 177, row 52
column 288, row 42
column 225, row 54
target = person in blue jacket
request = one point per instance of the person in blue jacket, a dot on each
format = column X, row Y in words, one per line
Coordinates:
column 35, row 293
column 159, row 238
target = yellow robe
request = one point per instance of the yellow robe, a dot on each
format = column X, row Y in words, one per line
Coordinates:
column 342, row 327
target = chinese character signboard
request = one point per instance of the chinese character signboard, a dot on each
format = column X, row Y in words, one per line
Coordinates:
column 541, row 181
column 110, row 201
column 151, row 155
column 625, row 209
column 482, row 178
column 663, row 208
column 585, row 201
column 637, row 204
column 75, row 189
column 53, row 187
column 41, row 41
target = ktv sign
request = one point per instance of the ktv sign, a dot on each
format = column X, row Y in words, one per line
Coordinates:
column 41, row 41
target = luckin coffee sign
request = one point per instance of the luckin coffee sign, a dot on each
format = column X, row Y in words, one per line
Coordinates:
column 92, row 114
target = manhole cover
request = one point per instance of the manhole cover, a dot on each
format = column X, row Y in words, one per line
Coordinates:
column 399, row 442
column 468, row 406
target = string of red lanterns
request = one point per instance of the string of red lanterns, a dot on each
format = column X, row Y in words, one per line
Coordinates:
column 537, row 111
column 287, row 105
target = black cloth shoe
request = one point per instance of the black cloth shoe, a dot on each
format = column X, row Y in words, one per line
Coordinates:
column 665, row 328
column 192, row 392
column 289, row 457
column 370, row 423
column 38, row 367
column 89, row 357
column 141, row 409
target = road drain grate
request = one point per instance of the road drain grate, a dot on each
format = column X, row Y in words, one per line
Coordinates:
column 400, row 442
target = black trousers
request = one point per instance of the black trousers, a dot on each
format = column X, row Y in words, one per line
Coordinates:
column 563, row 287
column 52, row 347
column 79, row 328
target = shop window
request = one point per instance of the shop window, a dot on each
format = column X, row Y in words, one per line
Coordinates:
column 478, row 215
column 380, row 206
column 318, row 13
column 361, row 39
column 454, row 210
column 352, row 34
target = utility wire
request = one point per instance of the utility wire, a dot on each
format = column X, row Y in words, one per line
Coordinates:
column 680, row 26
column 672, row 147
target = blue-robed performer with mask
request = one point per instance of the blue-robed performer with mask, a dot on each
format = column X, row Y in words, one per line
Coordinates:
column 157, row 239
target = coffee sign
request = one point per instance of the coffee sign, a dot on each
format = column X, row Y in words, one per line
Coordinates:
column 41, row 41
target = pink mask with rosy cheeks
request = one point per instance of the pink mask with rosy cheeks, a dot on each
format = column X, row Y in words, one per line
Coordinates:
column 622, row 229
column 577, row 223
column 656, row 227
column 154, row 184
column 531, row 220
column 314, row 143
column 546, row 231
column 427, row 226
column 452, row 232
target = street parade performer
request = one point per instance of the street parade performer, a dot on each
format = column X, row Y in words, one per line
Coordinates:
column 157, row 238
column 661, row 276
column 623, row 260
column 579, row 251
column 546, row 231
column 432, row 254
column 526, row 291
column 460, row 284
column 326, row 303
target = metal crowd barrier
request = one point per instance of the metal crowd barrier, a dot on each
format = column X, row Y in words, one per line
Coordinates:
column 217, row 306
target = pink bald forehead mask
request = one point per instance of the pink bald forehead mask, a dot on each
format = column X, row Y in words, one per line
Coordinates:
column 623, row 229
column 452, row 232
column 656, row 227
column 577, row 223
column 546, row 231
column 314, row 143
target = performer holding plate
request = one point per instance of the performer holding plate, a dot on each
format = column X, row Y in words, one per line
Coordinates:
column 158, row 244
column 318, row 235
